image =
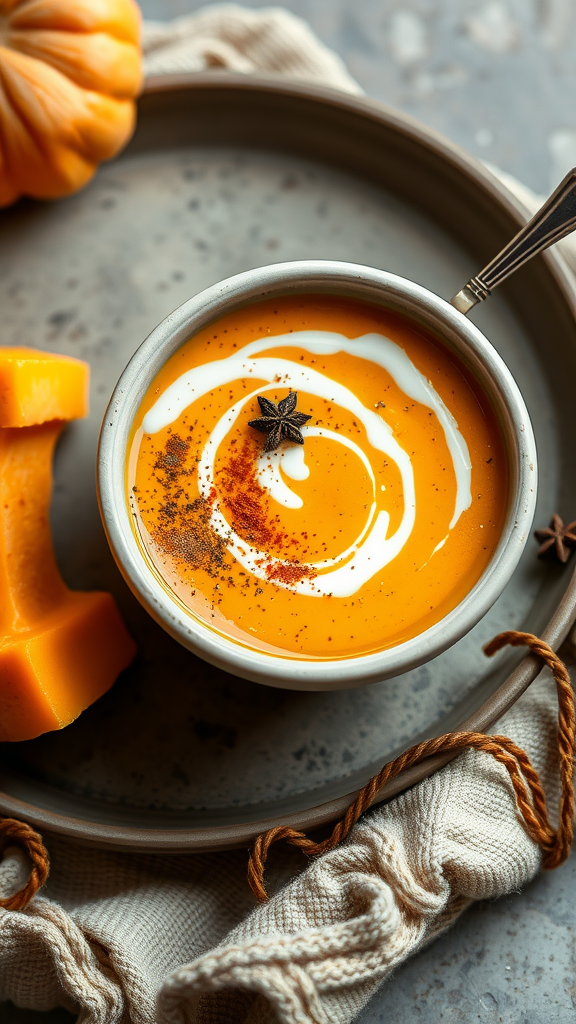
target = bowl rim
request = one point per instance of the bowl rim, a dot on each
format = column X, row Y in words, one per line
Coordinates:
column 367, row 284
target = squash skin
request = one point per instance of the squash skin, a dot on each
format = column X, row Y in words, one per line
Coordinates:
column 70, row 71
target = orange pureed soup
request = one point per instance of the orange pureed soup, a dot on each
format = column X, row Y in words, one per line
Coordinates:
column 360, row 538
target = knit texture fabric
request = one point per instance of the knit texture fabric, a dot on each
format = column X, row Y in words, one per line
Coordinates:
column 124, row 938
column 171, row 940
column 270, row 41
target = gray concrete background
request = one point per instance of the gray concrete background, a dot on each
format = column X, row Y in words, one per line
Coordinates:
column 500, row 79
column 496, row 76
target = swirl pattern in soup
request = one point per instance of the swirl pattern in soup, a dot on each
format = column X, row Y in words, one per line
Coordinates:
column 360, row 539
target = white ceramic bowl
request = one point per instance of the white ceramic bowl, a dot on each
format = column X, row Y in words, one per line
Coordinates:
column 363, row 283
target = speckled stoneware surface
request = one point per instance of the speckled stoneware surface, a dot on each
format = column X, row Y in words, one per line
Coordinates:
column 177, row 743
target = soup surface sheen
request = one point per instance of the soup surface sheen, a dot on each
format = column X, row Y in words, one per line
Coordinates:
column 358, row 540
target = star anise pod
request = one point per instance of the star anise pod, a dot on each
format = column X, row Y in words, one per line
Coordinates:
column 279, row 421
column 557, row 536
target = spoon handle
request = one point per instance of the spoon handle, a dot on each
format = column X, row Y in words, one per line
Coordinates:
column 554, row 220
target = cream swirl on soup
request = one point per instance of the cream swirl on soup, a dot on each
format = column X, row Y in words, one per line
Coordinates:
column 385, row 420
column 373, row 548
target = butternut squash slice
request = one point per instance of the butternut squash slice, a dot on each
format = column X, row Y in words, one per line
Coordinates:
column 59, row 649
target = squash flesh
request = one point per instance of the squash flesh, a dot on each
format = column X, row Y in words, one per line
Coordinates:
column 59, row 649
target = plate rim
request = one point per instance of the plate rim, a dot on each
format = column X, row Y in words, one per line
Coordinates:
column 212, row 838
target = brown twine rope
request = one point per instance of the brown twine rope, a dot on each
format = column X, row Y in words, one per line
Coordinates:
column 530, row 798
column 25, row 836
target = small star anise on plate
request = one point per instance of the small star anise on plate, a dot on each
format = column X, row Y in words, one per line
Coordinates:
column 557, row 536
column 280, row 421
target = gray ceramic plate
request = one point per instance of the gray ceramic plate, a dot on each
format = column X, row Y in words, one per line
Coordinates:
column 225, row 174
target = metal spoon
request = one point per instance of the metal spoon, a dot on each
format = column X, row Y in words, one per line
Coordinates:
column 552, row 222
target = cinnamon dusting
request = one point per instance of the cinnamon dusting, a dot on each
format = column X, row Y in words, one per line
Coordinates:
column 247, row 507
column 184, row 529
column 183, row 525
column 244, row 502
column 291, row 573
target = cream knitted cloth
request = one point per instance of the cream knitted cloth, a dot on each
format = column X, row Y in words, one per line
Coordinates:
column 271, row 40
column 176, row 940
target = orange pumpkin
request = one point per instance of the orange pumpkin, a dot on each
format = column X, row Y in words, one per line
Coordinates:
column 69, row 73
